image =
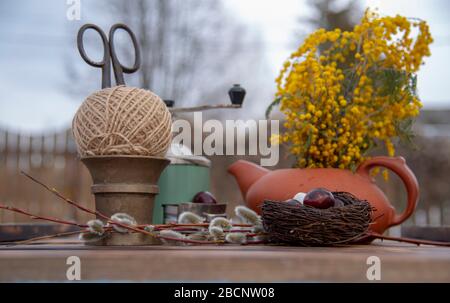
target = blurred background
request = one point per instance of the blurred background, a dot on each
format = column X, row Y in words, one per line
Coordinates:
column 193, row 51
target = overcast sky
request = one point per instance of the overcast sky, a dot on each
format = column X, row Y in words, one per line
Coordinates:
column 35, row 45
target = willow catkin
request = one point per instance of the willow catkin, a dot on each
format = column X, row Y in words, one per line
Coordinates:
column 122, row 120
column 124, row 219
column 96, row 227
column 220, row 222
column 236, row 238
column 188, row 217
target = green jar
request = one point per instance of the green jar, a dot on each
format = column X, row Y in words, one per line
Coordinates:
column 185, row 176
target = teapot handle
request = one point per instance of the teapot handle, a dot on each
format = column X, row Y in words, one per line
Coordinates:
column 398, row 166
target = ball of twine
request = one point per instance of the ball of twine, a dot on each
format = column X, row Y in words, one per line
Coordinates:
column 303, row 225
column 122, row 120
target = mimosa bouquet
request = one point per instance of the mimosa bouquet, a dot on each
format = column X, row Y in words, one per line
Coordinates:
column 342, row 93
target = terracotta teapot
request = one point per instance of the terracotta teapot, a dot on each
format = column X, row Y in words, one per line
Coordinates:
column 258, row 183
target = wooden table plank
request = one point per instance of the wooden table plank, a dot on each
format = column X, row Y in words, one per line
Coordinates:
column 399, row 263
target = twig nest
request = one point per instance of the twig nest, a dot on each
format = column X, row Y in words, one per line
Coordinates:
column 122, row 120
column 304, row 225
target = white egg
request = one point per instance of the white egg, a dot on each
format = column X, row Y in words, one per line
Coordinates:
column 299, row 197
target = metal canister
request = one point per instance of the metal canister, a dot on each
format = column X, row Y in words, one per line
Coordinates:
column 185, row 176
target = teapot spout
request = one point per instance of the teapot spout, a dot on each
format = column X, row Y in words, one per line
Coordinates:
column 246, row 173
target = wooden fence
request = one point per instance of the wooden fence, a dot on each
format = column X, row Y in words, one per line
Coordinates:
column 51, row 158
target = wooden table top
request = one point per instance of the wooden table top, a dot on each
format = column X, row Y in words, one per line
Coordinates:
column 399, row 263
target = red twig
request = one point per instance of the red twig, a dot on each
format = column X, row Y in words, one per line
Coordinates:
column 23, row 242
column 33, row 216
column 77, row 205
column 239, row 231
column 253, row 235
column 182, row 229
column 171, row 225
column 55, row 192
column 409, row 240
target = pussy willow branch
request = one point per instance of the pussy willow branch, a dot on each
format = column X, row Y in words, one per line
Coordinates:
column 409, row 240
column 77, row 205
column 184, row 229
column 60, row 221
column 59, row 195
column 181, row 229
column 37, row 217
column 99, row 214
column 23, row 242
column 172, row 225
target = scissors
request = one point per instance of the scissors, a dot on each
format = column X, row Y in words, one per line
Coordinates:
column 109, row 54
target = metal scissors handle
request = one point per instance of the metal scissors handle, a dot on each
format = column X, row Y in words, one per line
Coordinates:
column 109, row 54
